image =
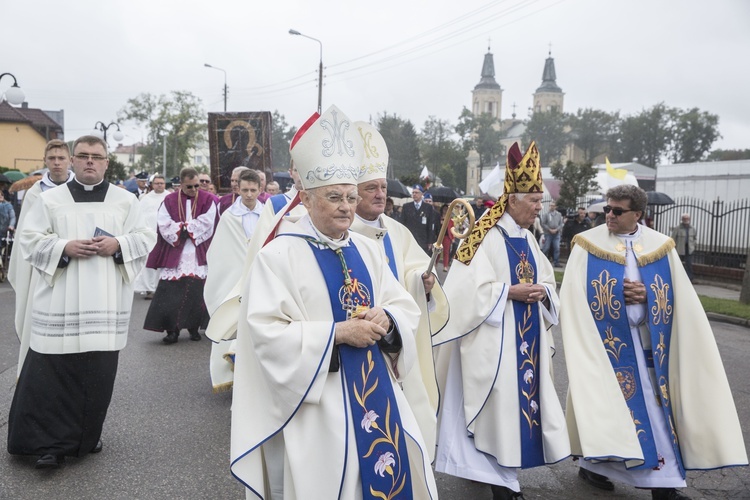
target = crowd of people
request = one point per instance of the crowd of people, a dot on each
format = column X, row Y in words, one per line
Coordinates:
column 354, row 371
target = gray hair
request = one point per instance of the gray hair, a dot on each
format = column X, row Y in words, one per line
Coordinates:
column 634, row 194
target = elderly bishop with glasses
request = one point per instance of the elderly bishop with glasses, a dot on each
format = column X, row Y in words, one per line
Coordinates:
column 648, row 397
column 317, row 409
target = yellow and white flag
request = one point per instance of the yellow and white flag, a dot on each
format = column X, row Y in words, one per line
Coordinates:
column 617, row 173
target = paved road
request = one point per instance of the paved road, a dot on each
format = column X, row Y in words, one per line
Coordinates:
column 167, row 435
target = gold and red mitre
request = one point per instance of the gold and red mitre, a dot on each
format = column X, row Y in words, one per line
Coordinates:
column 523, row 174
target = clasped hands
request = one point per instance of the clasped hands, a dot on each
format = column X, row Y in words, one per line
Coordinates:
column 527, row 292
column 364, row 330
column 103, row 246
column 634, row 291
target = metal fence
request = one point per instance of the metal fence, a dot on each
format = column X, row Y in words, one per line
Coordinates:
column 723, row 228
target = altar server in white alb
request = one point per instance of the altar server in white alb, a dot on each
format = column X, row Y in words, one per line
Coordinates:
column 225, row 257
column 317, row 409
column 21, row 274
column 408, row 262
column 148, row 279
column 500, row 410
column 88, row 241
column 648, row 397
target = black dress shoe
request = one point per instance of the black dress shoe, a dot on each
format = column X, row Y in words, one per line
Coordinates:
column 503, row 493
column 171, row 337
column 49, row 461
column 194, row 335
column 97, row 448
column 595, row 480
column 667, row 494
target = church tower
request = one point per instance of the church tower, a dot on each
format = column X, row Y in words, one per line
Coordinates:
column 549, row 96
column 487, row 96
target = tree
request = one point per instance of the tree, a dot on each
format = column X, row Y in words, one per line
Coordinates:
column 576, row 180
column 281, row 135
column 593, row 131
column 481, row 134
column 547, row 128
column 645, row 137
column 403, row 145
column 441, row 154
column 729, row 154
column 116, row 170
column 693, row 133
column 177, row 119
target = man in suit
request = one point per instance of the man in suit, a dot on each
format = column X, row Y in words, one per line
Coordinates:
column 418, row 216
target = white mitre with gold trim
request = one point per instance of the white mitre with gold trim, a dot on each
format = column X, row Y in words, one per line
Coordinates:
column 329, row 152
column 375, row 153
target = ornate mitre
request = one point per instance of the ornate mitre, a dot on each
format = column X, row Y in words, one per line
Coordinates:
column 523, row 174
column 327, row 150
column 374, row 154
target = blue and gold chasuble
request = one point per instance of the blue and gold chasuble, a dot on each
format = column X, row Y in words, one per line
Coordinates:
column 381, row 444
column 526, row 331
column 607, row 304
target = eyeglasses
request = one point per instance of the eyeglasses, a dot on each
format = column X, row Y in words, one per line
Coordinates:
column 337, row 199
column 205, row 181
column 192, row 186
column 615, row 210
column 85, row 157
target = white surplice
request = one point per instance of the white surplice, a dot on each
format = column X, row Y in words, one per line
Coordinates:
column 148, row 279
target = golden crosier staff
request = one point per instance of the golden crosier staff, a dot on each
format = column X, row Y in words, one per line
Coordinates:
column 460, row 211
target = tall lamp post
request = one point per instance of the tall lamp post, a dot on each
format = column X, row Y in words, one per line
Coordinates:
column 225, row 83
column 101, row 129
column 320, row 68
column 14, row 94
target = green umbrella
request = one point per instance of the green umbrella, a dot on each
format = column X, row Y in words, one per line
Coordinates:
column 14, row 175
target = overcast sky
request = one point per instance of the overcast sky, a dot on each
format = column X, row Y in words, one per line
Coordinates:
column 415, row 58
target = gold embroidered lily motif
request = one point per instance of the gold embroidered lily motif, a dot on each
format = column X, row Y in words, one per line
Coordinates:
column 530, row 356
column 613, row 345
column 389, row 461
column 660, row 352
column 604, row 300
column 661, row 311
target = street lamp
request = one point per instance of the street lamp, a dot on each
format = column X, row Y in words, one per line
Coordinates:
column 225, row 84
column 14, row 94
column 320, row 68
column 100, row 129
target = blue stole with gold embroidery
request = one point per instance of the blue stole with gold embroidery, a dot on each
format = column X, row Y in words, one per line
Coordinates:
column 389, row 253
column 381, row 444
column 606, row 300
column 527, row 328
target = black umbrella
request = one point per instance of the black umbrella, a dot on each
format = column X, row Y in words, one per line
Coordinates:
column 5, row 180
column 443, row 194
column 396, row 189
column 658, row 198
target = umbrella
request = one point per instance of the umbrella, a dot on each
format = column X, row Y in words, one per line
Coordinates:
column 5, row 180
column 131, row 185
column 443, row 194
column 396, row 189
column 14, row 175
column 24, row 184
column 658, row 198
column 597, row 207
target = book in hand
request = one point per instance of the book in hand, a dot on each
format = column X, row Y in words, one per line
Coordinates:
column 101, row 232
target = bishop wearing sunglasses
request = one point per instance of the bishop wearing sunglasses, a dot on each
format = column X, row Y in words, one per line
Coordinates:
column 647, row 385
column 185, row 224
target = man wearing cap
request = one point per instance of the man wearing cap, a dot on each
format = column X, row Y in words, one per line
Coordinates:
column 331, row 334
column 21, row 273
column 228, row 199
column 186, row 222
column 500, row 410
column 408, row 263
column 648, row 398
column 141, row 180
column 419, row 217
column 87, row 240
column 148, row 279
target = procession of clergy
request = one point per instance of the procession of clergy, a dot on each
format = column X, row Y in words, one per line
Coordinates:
column 353, row 370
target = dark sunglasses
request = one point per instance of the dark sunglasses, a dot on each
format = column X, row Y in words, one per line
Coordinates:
column 205, row 181
column 615, row 210
column 192, row 186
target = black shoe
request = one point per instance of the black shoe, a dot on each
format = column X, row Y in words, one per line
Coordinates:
column 171, row 337
column 503, row 493
column 667, row 494
column 595, row 480
column 97, row 448
column 194, row 335
column 49, row 462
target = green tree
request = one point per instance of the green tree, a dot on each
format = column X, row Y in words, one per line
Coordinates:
column 481, row 134
column 645, row 137
column 729, row 154
column 116, row 170
column 547, row 128
column 281, row 135
column 177, row 119
column 593, row 131
column 403, row 145
column 693, row 133
column 441, row 154
column 576, row 180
